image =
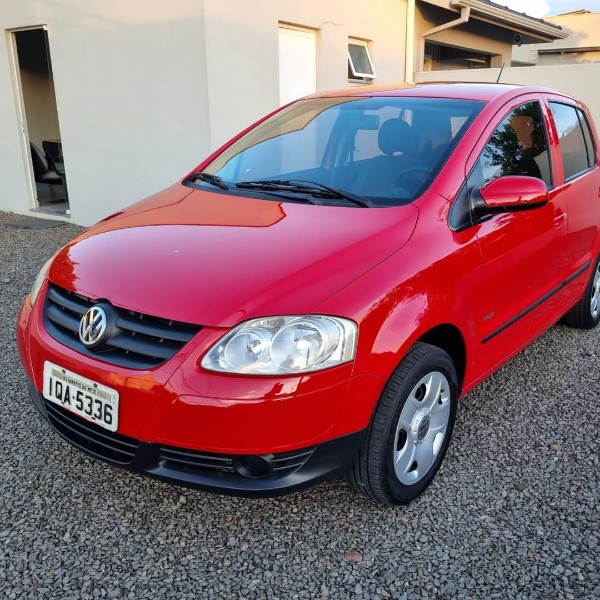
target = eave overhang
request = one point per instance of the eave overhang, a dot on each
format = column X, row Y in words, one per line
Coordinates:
column 532, row 29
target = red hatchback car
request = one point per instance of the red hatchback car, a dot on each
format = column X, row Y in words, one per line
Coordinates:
column 315, row 297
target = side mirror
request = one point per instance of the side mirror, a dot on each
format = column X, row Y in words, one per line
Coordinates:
column 514, row 192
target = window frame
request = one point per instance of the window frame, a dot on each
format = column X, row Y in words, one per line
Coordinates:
column 356, row 74
column 585, row 126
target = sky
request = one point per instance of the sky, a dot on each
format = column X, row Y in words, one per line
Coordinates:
column 542, row 8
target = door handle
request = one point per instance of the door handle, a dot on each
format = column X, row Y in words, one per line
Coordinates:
column 559, row 219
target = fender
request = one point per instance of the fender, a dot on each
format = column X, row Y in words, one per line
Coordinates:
column 411, row 294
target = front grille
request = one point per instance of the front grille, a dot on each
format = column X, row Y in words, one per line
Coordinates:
column 191, row 461
column 110, row 446
column 137, row 340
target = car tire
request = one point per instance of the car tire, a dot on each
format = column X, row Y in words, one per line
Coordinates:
column 586, row 313
column 410, row 430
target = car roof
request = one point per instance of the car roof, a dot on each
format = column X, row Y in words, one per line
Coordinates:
column 484, row 92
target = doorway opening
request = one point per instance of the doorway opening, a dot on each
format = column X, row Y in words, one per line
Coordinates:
column 40, row 127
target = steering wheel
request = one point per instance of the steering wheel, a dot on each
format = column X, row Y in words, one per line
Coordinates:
column 407, row 182
column 413, row 171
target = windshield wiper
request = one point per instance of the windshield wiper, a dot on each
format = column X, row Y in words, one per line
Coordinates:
column 210, row 178
column 301, row 186
column 334, row 192
column 274, row 188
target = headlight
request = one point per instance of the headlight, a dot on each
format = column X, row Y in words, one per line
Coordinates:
column 284, row 345
column 39, row 280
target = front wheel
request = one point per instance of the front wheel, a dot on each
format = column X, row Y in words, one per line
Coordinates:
column 586, row 313
column 411, row 428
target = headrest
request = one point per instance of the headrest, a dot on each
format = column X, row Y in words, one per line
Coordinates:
column 396, row 135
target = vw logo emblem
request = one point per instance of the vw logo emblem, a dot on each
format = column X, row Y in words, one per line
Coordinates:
column 92, row 326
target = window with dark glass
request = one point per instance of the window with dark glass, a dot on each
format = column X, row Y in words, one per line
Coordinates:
column 573, row 147
column 518, row 146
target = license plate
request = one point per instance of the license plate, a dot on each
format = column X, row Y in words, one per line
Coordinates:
column 92, row 401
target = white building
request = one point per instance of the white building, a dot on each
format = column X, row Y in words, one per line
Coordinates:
column 129, row 96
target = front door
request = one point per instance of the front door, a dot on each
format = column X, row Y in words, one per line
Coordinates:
column 523, row 253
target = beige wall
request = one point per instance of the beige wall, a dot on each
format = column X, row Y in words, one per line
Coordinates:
column 584, row 32
column 568, row 58
column 570, row 79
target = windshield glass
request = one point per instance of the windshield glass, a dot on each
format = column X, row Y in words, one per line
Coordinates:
column 387, row 150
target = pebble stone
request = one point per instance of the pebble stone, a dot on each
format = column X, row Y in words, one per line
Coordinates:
column 513, row 514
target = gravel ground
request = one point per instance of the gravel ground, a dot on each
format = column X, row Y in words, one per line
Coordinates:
column 513, row 514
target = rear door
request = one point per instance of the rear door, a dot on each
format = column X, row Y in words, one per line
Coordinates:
column 577, row 179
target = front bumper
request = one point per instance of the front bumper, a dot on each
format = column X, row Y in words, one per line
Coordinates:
column 259, row 436
column 234, row 474
column 180, row 405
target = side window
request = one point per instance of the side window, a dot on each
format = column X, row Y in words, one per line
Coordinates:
column 577, row 151
column 518, row 146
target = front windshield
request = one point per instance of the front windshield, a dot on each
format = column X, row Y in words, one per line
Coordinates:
column 385, row 149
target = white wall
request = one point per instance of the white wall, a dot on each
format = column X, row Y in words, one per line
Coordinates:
column 131, row 97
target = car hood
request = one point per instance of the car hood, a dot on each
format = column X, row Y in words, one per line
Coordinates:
column 217, row 259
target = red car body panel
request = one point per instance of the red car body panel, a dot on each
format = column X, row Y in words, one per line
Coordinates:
column 197, row 240
column 402, row 274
